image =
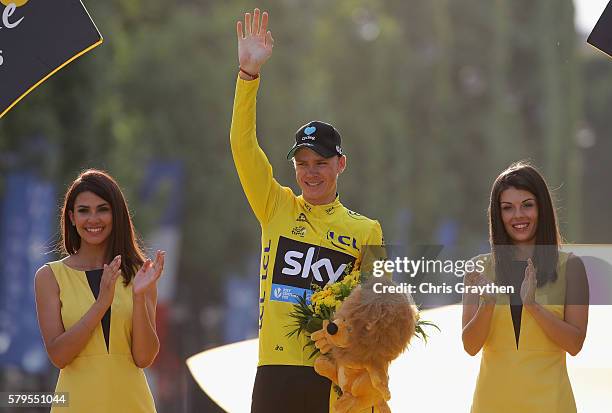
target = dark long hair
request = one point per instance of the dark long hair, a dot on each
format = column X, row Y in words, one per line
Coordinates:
column 122, row 240
column 522, row 175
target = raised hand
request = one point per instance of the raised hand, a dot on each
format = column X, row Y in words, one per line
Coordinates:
column 529, row 285
column 255, row 42
column 146, row 278
column 110, row 274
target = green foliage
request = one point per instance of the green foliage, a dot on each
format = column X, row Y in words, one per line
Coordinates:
column 433, row 99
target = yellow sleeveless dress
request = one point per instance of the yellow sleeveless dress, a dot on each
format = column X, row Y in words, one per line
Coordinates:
column 100, row 380
column 533, row 377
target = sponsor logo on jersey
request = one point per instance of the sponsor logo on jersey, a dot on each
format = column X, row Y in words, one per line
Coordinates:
column 330, row 210
column 299, row 265
column 265, row 267
column 342, row 241
column 354, row 214
column 278, row 292
column 299, row 231
column 301, row 217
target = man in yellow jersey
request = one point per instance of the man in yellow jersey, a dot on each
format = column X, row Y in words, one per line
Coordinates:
column 307, row 239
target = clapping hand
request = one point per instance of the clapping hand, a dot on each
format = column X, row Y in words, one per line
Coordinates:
column 255, row 42
column 146, row 278
column 110, row 274
column 476, row 278
column 529, row 285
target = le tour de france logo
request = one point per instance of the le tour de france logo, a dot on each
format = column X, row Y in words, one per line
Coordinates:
column 7, row 22
column 17, row 3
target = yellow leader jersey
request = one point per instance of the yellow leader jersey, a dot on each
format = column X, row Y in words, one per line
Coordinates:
column 301, row 244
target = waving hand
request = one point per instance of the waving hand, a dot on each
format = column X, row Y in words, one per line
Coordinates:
column 255, row 42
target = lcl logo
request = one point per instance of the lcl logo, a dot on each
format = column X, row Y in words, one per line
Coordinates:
column 342, row 241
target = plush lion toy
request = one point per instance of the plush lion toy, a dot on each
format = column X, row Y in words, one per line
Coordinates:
column 368, row 332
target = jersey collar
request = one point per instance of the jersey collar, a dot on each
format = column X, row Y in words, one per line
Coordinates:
column 321, row 210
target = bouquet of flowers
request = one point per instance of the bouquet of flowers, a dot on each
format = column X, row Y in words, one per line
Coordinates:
column 308, row 316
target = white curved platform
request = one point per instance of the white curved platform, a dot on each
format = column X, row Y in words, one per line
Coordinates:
column 437, row 377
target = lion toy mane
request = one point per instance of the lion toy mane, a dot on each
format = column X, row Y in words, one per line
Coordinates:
column 369, row 331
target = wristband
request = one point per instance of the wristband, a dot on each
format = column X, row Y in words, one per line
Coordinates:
column 253, row 77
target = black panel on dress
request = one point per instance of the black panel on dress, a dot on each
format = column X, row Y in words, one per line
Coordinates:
column 516, row 304
column 93, row 278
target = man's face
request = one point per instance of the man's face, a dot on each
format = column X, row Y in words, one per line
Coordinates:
column 317, row 176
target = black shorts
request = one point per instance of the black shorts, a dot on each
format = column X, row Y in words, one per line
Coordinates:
column 295, row 389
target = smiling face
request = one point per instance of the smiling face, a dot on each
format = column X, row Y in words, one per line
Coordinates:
column 92, row 217
column 317, row 176
column 519, row 212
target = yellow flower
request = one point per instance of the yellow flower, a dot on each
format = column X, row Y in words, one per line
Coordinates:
column 329, row 302
column 332, row 295
column 321, row 295
column 351, row 278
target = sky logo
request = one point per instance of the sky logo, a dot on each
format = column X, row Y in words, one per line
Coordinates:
column 299, row 265
column 294, row 267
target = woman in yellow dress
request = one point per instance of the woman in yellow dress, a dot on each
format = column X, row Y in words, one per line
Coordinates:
column 96, row 306
column 525, row 335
